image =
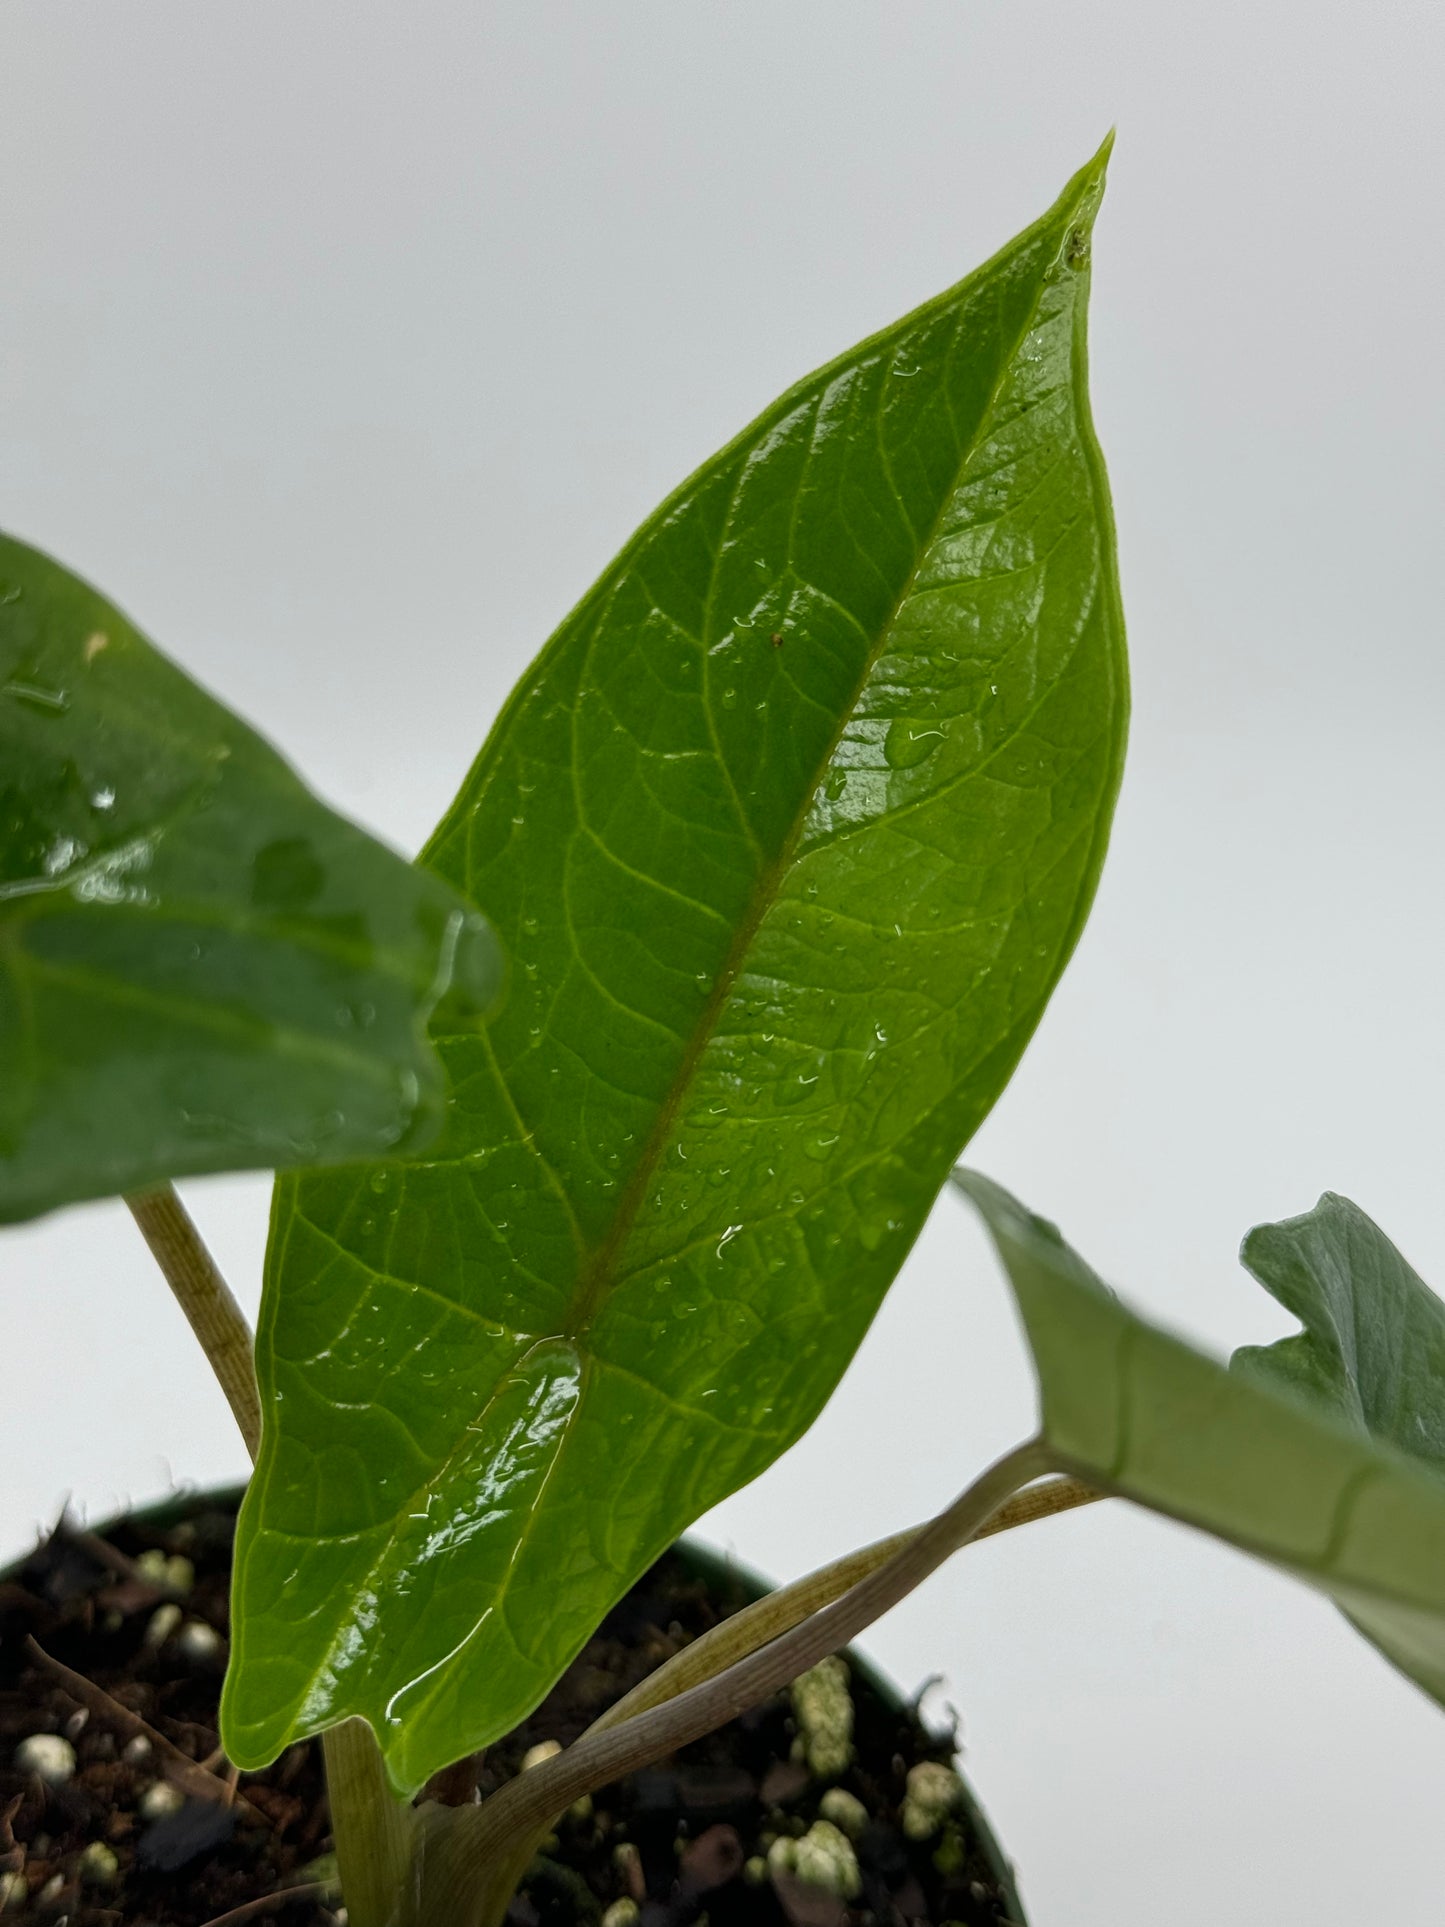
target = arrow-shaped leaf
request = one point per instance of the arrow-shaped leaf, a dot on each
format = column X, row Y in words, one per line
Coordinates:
column 790, row 831
column 1329, row 1488
column 202, row 968
column 1372, row 1354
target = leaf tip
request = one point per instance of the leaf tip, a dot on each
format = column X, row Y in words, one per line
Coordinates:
column 1079, row 203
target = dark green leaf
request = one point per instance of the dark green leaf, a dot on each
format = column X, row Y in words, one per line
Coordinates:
column 1373, row 1344
column 790, row 831
column 1372, row 1352
column 201, row 967
column 1313, row 1487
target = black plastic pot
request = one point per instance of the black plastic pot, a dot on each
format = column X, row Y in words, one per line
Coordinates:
column 728, row 1583
column 722, row 1570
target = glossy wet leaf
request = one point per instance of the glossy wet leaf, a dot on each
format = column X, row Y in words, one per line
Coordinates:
column 789, row 831
column 202, row 968
column 1329, row 1488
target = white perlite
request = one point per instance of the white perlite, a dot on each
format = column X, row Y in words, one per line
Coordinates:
column 47, row 1756
column 823, row 1858
column 934, row 1791
column 846, row 1811
column 161, row 1799
column 199, row 1642
column 99, row 1867
column 823, row 1708
column 174, row 1573
column 163, row 1622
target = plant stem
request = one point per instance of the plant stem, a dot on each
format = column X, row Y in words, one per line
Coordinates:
column 373, row 1829
column 486, row 1850
column 463, row 1865
column 205, row 1298
column 778, row 1612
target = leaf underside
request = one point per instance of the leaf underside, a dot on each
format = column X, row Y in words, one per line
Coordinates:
column 202, row 968
column 1335, row 1490
column 790, row 831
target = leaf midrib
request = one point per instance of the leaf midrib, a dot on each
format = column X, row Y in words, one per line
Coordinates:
column 592, row 1287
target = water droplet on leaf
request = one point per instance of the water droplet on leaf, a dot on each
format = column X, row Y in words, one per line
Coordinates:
column 907, row 744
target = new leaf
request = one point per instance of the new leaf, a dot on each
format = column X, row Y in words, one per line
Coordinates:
column 202, row 968
column 1372, row 1353
column 1321, row 1455
column 790, row 831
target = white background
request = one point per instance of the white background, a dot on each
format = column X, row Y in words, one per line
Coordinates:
column 343, row 343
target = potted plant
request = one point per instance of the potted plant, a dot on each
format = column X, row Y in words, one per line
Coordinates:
column 603, row 1131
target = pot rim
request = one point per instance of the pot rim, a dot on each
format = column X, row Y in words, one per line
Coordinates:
column 710, row 1563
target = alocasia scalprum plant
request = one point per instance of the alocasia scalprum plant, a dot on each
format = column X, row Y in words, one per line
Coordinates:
column 781, row 846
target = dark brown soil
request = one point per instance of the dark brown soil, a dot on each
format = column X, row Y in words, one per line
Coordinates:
column 677, row 1840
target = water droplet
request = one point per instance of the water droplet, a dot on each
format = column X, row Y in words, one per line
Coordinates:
column 529, row 926
column 819, row 1145
column 795, row 1085
column 48, row 702
column 908, row 744
column 729, row 699
column 380, row 1181
column 835, row 785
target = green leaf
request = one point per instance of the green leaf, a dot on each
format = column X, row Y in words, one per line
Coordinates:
column 1373, row 1345
column 1372, row 1354
column 1315, row 1486
column 790, row 831
column 202, row 968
